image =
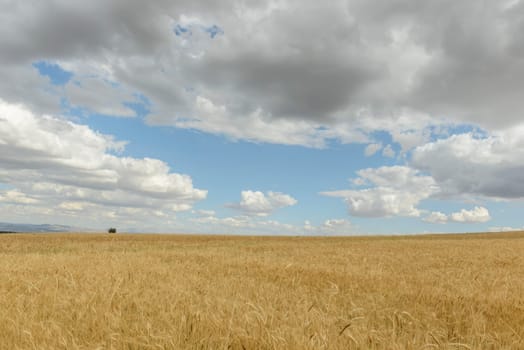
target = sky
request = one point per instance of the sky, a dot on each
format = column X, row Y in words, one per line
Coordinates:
column 270, row 117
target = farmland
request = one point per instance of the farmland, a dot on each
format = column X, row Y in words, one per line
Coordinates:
column 88, row 291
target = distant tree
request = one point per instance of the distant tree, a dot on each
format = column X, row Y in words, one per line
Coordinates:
column 111, row 230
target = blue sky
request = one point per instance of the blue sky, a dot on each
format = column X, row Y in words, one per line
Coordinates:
column 296, row 118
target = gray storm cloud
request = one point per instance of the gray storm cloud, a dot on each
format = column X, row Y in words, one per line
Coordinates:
column 288, row 60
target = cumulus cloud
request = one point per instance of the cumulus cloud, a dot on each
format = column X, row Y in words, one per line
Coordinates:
column 291, row 72
column 462, row 166
column 388, row 152
column 254, row 126
column 259, row 204
column 476, row 215
column 436, row 217
column 395, row 191
column 372, row 148
column 70, row 167
column 476, row 165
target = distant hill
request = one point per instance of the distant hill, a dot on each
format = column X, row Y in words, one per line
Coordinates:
column 13, row 228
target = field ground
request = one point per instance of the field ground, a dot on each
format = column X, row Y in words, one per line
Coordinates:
column 85, row 291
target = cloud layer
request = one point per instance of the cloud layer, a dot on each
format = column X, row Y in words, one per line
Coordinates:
column 68, row 167
column 395, row 191
column 440, row 81
column 291, row 72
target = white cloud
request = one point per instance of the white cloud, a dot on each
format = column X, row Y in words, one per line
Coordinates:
column 259, row 204
column 388, row 152
column 254, row 126
column 332, row 223
column 279, row 200
column 16, row 197
column 73, row 206
column 372, row 148
column 468, row 164
column 397, row 191
column 330, row 227
column 436, row 217
column 228, row 222
column 505, row 229
column 204, row 213
column 244, row 224
column 476, row 215
column 62, row 166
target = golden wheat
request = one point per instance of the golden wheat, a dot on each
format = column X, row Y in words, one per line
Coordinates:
column 84, row 291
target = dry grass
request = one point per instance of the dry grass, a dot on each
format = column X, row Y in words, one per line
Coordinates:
column 211, row 292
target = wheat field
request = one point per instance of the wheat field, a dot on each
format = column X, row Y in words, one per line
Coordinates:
column 86, row 291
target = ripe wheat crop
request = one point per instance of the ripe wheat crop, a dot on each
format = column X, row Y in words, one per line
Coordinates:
column 84, row 291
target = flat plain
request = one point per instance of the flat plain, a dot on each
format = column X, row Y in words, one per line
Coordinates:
column 88, row 291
